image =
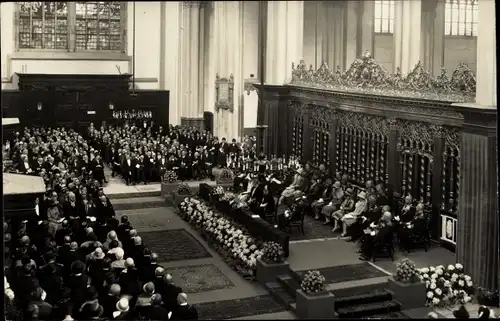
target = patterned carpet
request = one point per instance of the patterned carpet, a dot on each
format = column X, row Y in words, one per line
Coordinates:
column 345, row 273
column 314, row 229
column 238, row 308
column 174, row 245
column 200, row 278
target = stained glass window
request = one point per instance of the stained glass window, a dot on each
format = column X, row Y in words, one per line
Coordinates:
column 96, row 26
column 43, row 25
column 384, row 16
column 461, row 17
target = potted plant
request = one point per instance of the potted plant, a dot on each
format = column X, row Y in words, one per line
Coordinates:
column 180, row 193
column 272, row 263
column 487, row 297
column 225, row 178
column 406, row 286
column 169, row 183
column 313, row 300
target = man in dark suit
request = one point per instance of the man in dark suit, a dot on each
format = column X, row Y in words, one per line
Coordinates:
column 116, row 162
column 184, row 311
column 128, row 169
column 169, row 292
column 148, row 167
column 155, row 311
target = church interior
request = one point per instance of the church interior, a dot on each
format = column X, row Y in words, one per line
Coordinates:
column 164, row 119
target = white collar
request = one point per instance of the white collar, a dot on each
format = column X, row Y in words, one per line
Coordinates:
column 183, row 304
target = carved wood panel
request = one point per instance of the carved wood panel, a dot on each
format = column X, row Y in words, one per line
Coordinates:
column 362, row 143
column 451, row 171
column 321, row 136
column 416, row 147
column 297, row 131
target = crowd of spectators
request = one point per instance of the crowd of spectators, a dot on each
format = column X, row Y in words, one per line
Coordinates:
column 73, row 259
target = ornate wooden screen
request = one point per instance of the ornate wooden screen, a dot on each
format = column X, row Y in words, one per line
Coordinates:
column 451, row 171
column 362, row 143
column 297, row 131
column 320, row 125
column 416, row 150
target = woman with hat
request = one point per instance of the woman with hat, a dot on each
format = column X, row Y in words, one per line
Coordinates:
column 299, row 183
column 462, row 313
column 351, row 218
column 335, row 200
column 346, row 207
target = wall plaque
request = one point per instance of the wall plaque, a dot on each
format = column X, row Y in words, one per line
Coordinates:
column 224, row 93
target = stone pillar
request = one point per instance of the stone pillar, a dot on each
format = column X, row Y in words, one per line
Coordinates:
column 170, row 55
column 228, row 40
column 365, row 27
column 351, row 26
column 432, row 48
column 336, row 13
column 486, row 93
column 407, row 34
column 184, row 57
column 285, row 27
column 194, row 57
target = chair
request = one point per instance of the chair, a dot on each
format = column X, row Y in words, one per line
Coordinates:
column 422, row 238
column 297, row 223
column 384, row 248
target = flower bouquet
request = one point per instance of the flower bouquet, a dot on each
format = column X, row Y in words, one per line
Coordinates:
column 170, row 177
column 406, row 271
column 183, row 189
column 447, row 285
column 273, row 253
column 226, row 175
column 218, row 191
column 487, row 297
column 313, row 282
column 238, row 249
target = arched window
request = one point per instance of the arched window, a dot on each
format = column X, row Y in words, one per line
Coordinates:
column 98, row 26
column 461, row 17
column 384, row 16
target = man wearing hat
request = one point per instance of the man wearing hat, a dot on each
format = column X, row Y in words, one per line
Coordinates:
column 351, row 218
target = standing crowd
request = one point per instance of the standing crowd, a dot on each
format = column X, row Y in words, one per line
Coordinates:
column 73, row 259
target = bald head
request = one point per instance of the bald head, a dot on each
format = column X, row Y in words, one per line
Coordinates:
column 112, row 235
column 168, row 278
column 132, row 233
column 182, row 298
column 154, row 257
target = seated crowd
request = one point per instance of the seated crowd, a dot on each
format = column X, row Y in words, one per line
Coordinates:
column 73, row 259
column 144, row 153
column 370, row 216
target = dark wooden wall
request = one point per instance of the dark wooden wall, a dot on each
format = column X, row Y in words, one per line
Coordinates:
column 77, row 100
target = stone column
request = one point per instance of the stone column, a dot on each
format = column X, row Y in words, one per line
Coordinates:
column 432, row 48
column 228, row 41
column 351, row 26
column 194, row 49
column 184, row 57
column 407, row 34
column 336, row 12
column 486, row 93
column 365, row 32
column 284, row 45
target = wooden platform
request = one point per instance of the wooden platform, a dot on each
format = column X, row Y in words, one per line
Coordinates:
column 17, row 184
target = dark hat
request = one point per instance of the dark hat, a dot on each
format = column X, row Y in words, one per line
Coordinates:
column 124, row 219
column 77, row 267
column 91, row 293
column 156, row 299
column 94, row 310
column 461, row 313
column 483, row 312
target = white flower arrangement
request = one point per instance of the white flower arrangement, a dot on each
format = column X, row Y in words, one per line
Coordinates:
column 240, row 245
column 219, row 190
column 7, row 290
column 447, row 285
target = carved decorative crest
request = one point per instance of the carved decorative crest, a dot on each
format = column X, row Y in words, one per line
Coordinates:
column 367, row 76
column 224, row 93
column 249, row 87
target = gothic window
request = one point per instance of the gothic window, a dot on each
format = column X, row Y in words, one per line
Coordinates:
column 43, row 25
column 384, row 16
column 72, row 26
column 461, row 17
column 98, row 25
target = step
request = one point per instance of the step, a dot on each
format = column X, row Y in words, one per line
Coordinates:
column 392, row 315
column 287, row 282
column 362, row 298
column 369, row 309
column 280, row 294
column 136, row 203
column 349, row 290
column 117, row 196
column 293, row 307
